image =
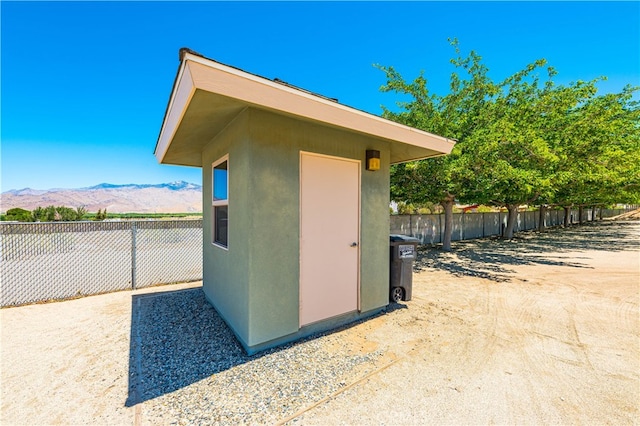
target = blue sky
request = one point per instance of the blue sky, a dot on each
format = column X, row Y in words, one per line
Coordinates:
column 85, row 84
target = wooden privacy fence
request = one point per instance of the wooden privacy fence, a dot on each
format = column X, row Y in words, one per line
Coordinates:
column 429, row 228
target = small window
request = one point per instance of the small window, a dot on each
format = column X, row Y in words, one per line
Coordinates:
column 220, row 202
column 220, row 182
column 221, row 232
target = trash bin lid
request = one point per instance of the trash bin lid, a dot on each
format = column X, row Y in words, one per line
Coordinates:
column 397, row 238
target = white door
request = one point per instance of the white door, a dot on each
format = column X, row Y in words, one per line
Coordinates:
column 329, row 236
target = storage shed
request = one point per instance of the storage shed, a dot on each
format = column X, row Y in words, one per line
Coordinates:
column 295, row 198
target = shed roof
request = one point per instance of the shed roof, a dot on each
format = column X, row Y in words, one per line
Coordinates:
column 208, row 95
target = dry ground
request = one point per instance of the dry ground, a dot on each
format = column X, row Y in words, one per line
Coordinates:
column 543, row 329
column 632, row 215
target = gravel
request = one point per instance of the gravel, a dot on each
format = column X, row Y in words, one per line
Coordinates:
column 188, row 367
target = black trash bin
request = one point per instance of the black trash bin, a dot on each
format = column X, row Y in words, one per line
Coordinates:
column 403, row 253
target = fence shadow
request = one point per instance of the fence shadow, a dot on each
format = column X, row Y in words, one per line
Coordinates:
column 491, row 258
column 178, row 338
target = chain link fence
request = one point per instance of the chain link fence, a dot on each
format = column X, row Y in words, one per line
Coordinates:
column 45, row 261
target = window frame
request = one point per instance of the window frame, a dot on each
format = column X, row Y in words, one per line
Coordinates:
column 219, row 203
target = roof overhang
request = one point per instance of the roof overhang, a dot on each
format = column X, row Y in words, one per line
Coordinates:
column 208, row 95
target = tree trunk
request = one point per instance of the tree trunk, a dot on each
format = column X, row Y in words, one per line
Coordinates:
column 542, row 217
column 567, row 217
column 600, row 212
column 593, row 213
column 447, row 205
column 581, row 214
column 511, row 221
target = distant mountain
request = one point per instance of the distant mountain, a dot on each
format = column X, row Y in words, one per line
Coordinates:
column 174, row 186
column 173, row 197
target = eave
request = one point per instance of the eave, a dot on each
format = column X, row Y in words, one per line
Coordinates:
column 207, row 95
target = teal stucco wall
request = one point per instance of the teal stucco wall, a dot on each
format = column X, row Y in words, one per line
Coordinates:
column 255, row 283
column 226, row 272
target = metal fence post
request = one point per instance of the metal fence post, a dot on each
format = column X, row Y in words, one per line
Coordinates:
column 133, row 255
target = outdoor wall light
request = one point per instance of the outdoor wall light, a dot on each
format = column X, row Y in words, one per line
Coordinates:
column 373, row 160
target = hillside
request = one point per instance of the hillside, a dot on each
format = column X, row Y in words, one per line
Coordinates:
column 174, row 197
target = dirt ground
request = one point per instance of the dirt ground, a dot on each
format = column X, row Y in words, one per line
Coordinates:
column 632, row 215
column 541, row 329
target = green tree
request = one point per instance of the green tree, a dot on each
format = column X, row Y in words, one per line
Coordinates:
column 46, row 214
column 456, row 115
column 520, row 141
column 101, row 215
column 37, row 214
column 558, row 117
column 509, row 161
column 18, row 214
column 65, row 214
column 600, row 152
column 60, row 213
column 81, row 212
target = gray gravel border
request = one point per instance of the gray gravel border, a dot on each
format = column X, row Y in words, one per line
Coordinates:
column 186, row 364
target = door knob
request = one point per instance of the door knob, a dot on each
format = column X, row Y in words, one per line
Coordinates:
column 354, row 244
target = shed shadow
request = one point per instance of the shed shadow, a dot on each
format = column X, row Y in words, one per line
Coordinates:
column 492, row 258
column 178, row 338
